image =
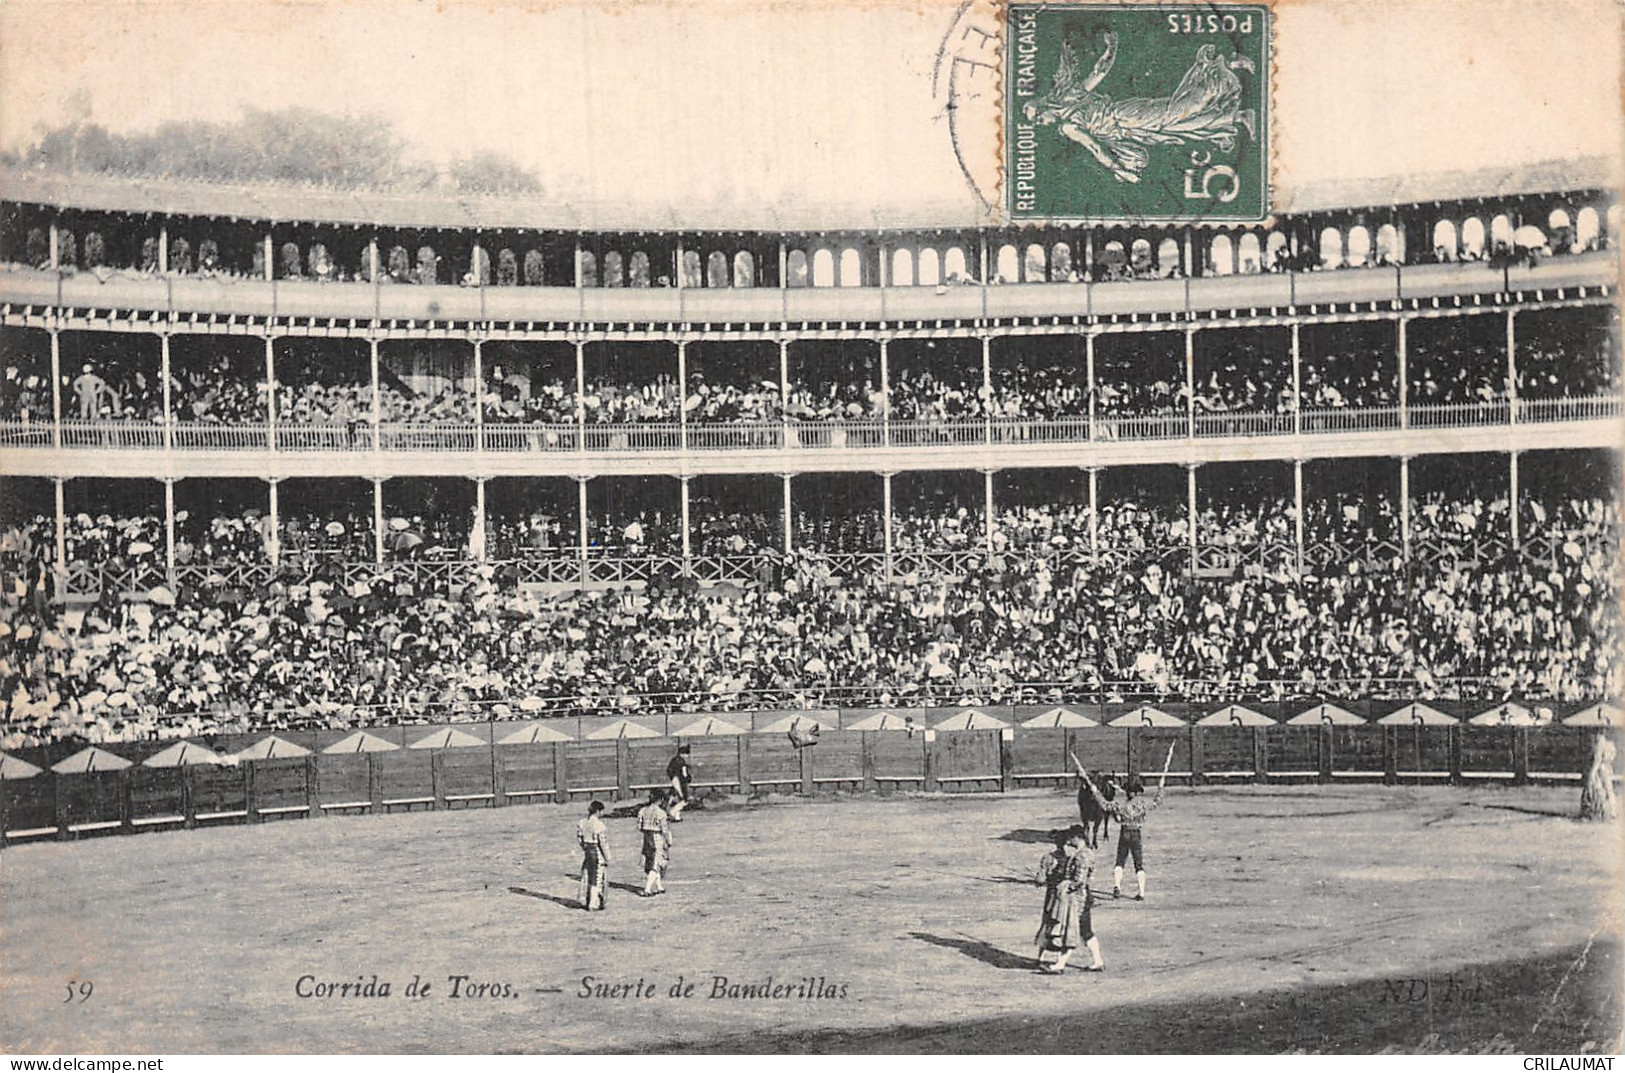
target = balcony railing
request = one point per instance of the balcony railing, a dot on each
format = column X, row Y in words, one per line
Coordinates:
column 796, row 435
column 1372, row 419
column 1544, row 550
column 1580, row 409
column 1461, row 415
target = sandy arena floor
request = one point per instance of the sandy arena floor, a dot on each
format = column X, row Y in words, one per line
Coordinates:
column 1279, row 918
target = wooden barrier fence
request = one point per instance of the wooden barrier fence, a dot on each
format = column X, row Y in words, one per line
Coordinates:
column 493, row 774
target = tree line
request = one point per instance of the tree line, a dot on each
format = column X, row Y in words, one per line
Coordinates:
column 296, row 146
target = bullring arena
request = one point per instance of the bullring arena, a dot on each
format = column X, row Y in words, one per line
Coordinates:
column 354, row 545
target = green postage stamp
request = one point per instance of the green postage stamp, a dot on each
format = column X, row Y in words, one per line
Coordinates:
column 1137, row 112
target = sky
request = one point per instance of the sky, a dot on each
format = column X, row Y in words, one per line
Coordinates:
column 797, row 102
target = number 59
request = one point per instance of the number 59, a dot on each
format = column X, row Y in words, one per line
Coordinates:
column 80, row 989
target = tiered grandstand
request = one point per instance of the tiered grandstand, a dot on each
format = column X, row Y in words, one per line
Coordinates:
column 295, row 460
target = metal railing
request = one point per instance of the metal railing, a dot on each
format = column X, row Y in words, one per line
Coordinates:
column 1461, row 415
column 1157, row 427
column 1227, row 425
column 142, row 435
column 937, row 433
column 1278, row 697
column 1577, row 409
column 25, row 434
column 532, row 438
column 865, row 433
column 437, row 438
column 566, row 566
column 1052, row 430
column 194, row 436
column 837, row 435
column 1371, row 419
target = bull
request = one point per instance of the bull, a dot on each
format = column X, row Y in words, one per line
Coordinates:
column 1096, row 820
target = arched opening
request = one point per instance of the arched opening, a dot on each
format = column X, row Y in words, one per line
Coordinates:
column 823, row 269
column 1501, row 231
column 1113, row 261
column 851, row 268
column 1139, row 257
column 1036, row 267
column 902, row 268
column 693, row 272
column 1472, row 237
column 930, row 273
column 1561, row 229
column 953, row 265
column 1168, row 258
column 716, row 270
column 1060, row 263
column 1586, row 229
column 1252, row 258
column 1390, row 247
column 795, row 269
column 1276, row 251
column 1359, row 246
column 1331, row 248
column 1607, row 238
column 1219, row 262
column 744, row 269
column 586, row 266
column 1009, row 266
column 1530, row 237
column 638, row 276
column 1444, row 241
column 614, row 275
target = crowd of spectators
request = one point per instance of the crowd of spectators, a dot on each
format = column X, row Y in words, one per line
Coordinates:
column 1004, row 626
column 1587, row 370
column 1242, row 378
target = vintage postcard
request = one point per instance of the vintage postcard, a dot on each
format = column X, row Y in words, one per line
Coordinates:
column 727, row 527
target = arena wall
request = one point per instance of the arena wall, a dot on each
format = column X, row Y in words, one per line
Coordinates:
column 492, row 774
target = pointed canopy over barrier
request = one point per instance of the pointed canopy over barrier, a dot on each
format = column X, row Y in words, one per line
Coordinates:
column 1235, row 715
column 186, row 754
column 622, row 728
column 361, row 742
column 91, row 759
column 1326, row 714
column 971, row 719
column 272, row 747
column 1418, row 713
column 885, row 721
column 448, row 738
column 1146, row 716
column 804, row 724
column 534, row 734
column 1057, row 718
column 1510, row 714
column 13, row 768
column 1598, row 715
column 708, row 727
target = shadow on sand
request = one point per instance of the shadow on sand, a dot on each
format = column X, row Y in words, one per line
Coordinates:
column 1514, row 1016
column 568, row 903
column 1033, row 836
column 986, row 953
